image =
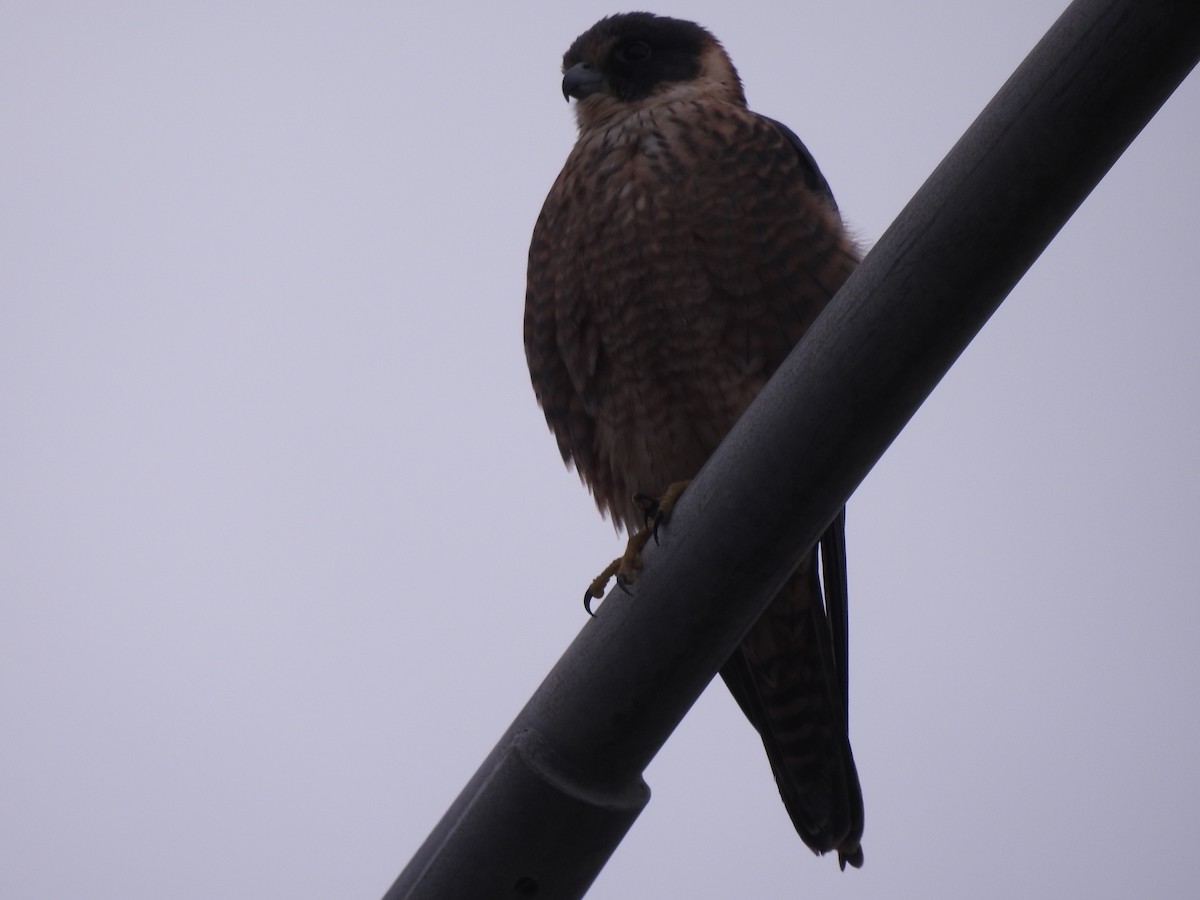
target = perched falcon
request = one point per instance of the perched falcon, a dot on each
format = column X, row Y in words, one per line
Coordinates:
column 683, row 251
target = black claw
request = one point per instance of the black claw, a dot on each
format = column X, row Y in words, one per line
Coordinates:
column 652, row 511
column 623, row 585
column 648, row 505
column 658, row 520
column 587, row 604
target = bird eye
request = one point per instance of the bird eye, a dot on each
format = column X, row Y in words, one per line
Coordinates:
column 634, row 52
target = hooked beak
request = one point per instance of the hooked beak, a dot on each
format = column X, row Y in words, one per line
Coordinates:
column 580, row 81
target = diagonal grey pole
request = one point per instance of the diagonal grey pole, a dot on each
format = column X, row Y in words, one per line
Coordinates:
column 556, row 795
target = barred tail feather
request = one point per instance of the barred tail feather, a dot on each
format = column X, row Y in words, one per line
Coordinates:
column 788, row 676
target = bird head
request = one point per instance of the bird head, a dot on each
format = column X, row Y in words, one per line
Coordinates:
column 626, row 61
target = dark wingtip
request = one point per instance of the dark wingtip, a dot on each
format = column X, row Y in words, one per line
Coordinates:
column 853, row 858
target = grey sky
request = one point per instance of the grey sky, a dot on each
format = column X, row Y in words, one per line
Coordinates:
column 286, row 543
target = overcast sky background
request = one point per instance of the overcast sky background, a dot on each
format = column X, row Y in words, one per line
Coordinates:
column 285, row 543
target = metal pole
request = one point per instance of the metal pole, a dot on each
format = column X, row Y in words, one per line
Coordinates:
column 556, row 795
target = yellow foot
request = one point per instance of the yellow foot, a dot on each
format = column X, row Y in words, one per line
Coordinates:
column 658, row 509
column 626, row 566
